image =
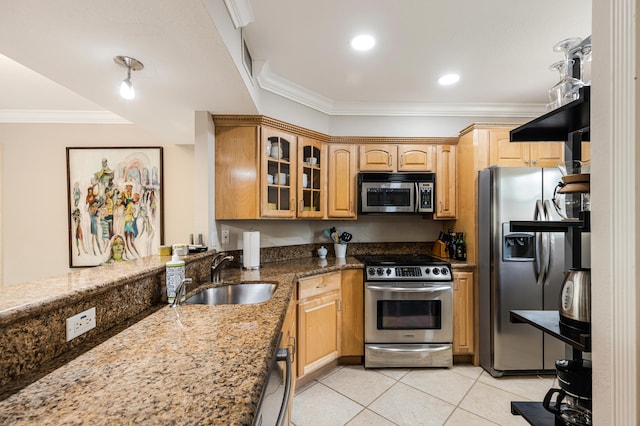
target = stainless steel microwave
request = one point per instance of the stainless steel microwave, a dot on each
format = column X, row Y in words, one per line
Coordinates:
column 396, row 192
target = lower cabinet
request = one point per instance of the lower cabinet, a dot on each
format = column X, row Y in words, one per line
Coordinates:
column 463, row 313
column 352, row 332
column 319, row 321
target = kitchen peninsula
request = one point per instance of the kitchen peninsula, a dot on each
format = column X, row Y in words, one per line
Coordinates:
column 195, row 363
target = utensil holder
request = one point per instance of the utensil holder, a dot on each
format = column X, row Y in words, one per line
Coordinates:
column 341, row 250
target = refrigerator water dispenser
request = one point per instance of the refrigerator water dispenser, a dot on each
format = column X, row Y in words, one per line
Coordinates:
column 517, row 246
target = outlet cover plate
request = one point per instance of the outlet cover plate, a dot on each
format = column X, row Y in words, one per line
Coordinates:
column 81, row 323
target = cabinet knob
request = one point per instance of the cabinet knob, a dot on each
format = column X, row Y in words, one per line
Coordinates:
column 535, row 162
column 527, row 162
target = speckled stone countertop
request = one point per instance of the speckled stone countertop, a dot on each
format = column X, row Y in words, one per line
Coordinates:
column 194, row 364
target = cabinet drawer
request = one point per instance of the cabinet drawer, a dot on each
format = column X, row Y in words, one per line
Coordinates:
column 313, row 286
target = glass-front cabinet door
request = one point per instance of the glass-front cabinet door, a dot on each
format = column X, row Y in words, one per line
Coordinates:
column 312, row 165
column 278, row 173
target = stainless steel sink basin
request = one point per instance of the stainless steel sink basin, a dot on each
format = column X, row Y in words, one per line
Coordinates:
column 239, row 294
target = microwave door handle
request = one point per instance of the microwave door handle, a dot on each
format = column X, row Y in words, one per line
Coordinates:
column 416, row 197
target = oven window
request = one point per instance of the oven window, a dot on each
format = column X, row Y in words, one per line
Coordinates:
column 394, row 197
column 409, row 314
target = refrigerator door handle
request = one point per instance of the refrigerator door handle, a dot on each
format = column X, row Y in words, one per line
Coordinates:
column 546, row 261
column 539, row 267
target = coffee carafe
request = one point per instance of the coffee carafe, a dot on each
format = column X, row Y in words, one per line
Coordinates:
column 572, row 405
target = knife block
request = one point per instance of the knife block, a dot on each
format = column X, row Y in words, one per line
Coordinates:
column 439, row 249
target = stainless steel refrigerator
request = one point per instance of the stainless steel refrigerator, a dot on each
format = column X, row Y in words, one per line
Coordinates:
column 517, row 270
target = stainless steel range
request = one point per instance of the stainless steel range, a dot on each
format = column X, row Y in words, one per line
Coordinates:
column 408, row 311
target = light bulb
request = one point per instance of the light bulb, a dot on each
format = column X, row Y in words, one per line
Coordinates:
column 363, row 42
column 126, row 89
column 448, row 79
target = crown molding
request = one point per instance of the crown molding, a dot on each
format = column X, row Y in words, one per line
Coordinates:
column 60, row 117
column 287, row 89
column 240, row 12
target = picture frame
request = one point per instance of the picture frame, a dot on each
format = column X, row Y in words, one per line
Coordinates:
column 115, row 204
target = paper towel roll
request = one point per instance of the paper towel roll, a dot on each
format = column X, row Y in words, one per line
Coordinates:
column 251, row 249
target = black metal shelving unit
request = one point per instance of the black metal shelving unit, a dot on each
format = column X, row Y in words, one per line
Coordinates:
column 569, row 123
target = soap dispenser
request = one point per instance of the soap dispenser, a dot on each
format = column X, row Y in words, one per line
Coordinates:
column 175, row 275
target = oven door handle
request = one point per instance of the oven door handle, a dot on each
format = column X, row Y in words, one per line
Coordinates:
column 431, row 289
column 429, row 349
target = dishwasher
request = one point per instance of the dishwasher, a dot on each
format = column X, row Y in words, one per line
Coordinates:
column 274, row 401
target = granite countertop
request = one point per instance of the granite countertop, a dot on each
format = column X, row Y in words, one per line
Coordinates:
column 194, row 364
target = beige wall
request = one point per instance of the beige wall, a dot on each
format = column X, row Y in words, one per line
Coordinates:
column 34, row 227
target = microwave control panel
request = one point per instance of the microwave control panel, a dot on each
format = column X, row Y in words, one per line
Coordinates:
column 425, row 197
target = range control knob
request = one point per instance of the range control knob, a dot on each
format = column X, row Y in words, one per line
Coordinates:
column 427, row 271
column 436, row 271
column 371, row 271
column 445, row 271
column 388, row 271
column 379, row 271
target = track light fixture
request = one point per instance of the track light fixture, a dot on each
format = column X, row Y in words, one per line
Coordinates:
column 126, row 88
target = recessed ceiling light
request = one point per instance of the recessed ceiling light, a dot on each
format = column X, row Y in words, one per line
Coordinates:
column 363, row 42
column 448, row 79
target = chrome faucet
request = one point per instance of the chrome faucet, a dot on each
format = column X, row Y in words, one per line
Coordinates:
column 181, row 287
column 216, row 266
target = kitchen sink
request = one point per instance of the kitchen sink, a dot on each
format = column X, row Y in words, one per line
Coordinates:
column 235, row 294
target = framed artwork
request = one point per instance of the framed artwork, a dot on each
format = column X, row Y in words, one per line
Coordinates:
column 115, row 204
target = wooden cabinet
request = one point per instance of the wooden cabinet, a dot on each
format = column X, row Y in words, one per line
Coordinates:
column 278, row 173
column 352, row 327
column 416, row 158
column 446, row 191
column 237, row 166
column 289, row 335
column 463, row 313
column 397, row 158
column 319, row 321
column 342, row 183
column 312, row 166
column 502, row 152
column 378, row 158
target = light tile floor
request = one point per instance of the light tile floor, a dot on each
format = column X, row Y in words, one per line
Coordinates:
column 462, row 395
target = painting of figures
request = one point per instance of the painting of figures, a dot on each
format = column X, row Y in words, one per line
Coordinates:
column 114, row 204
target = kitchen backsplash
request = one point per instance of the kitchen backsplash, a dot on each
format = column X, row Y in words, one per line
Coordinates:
column 279, row 233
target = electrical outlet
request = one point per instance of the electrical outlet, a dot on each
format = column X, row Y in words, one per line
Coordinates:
column 81, row 323
column 225, row 237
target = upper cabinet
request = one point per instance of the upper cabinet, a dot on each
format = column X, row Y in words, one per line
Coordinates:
column 446, row 190
column 503, row 152
column 397, row 158
column 266, row 171
column 342, row 183
column 237, row 172
column 278, row 173
column 312, row 166
column 416, row 158
column 378, row 158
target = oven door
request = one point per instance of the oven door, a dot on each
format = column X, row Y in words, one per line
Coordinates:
column 388, row 197
column 408, row 312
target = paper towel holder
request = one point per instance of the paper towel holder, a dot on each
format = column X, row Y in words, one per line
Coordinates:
column 252, row 246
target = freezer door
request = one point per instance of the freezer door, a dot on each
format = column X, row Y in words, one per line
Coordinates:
column 516, row 346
